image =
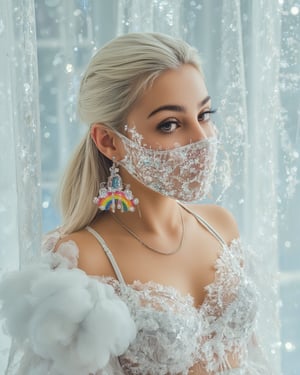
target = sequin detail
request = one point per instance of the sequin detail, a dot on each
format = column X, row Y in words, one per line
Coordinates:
column 184, row 173
column 175, row 337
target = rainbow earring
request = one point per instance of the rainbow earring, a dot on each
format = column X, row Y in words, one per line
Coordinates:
column 112, row 195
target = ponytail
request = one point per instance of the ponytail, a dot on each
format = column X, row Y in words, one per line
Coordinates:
column 80, row 185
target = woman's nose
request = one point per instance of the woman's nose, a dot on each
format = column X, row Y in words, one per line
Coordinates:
column 201, row 131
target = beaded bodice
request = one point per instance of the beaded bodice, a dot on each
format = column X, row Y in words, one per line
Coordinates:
column 174, row 336
column 64, row 321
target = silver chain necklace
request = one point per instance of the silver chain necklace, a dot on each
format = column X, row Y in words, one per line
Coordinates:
column 117, row 220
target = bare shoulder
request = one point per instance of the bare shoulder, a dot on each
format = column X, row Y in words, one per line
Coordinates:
column 220, row 219
column 92, row 259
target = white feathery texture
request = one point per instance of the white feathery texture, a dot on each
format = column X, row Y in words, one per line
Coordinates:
column 70, row 320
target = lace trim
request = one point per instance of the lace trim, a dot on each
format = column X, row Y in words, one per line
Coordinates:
column 230, row 253
column 222, row 324
column 226, row 317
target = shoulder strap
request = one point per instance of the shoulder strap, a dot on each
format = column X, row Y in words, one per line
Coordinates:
column 206, row 225
column 108, row 253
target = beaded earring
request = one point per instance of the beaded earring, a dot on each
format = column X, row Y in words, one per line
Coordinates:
column 113, row 195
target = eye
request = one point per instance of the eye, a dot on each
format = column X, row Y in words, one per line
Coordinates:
column 168, row 126
column 206, row 115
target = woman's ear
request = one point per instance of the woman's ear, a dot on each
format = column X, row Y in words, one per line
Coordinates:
column 106, row 141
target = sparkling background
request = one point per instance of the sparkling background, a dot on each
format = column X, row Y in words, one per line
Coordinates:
column 251, row 59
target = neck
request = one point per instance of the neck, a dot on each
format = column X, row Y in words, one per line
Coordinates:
column 155, row 212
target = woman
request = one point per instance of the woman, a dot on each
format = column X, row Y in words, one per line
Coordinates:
column 135, row 281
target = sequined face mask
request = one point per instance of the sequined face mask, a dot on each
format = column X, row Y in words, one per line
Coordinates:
column 184, row 173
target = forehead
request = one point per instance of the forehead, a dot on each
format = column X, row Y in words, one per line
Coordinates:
column 182, row 86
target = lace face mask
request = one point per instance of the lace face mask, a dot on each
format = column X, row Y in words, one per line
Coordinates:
column 184, row 173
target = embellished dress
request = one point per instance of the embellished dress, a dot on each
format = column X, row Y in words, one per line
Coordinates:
column 64, row 322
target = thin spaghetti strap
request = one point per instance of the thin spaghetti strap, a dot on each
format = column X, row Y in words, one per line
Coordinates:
column 206, row 225
column 108, row 253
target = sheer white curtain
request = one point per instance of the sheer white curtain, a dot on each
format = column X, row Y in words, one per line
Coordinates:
column 250, row 52
column 20, row 213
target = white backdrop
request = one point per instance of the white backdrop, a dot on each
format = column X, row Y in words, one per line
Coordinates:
column 251, row 59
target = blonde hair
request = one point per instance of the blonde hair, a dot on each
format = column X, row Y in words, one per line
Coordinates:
column 115, row 78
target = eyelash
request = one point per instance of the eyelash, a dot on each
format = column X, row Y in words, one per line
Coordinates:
column 173, row 121
column 209, row 112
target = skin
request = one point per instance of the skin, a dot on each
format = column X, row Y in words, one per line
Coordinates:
column 159, row 223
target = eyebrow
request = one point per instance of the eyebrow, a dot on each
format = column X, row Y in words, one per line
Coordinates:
column 176, row 108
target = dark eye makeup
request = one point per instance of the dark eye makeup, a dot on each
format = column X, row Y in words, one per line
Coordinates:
column 170, row 125
column 205, row 116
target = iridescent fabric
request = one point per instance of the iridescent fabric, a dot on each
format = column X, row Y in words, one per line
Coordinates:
column 170, row 335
